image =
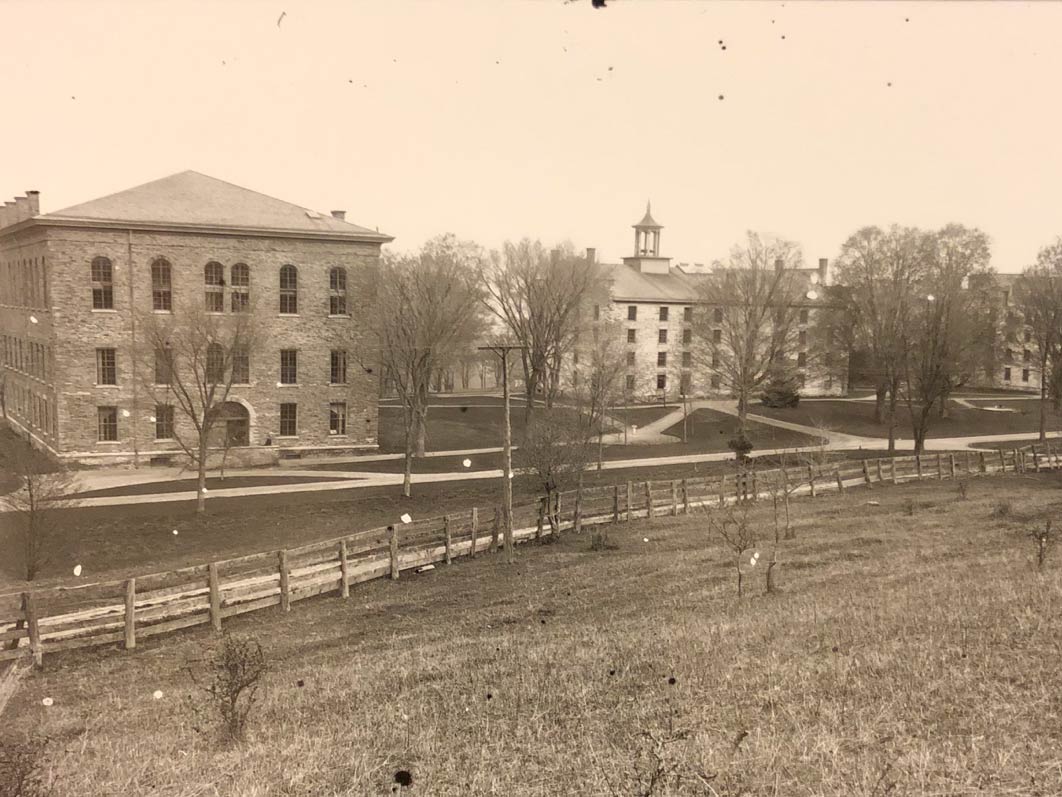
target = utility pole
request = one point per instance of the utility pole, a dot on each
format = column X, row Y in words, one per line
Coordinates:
column 502, row 350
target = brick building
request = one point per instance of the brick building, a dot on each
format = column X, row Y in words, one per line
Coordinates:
column 652, row 305
column 70, row 280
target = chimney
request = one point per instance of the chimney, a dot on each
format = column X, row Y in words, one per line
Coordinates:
column 591, row 255
column 824, row 267
column 339, row 214
column 779, row 264
column 34, row 198
column 22, row 208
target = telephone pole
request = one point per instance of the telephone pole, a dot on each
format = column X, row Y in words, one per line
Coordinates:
column 502, row 350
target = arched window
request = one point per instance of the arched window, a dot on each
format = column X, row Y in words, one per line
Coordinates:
column 215, row 364
column 337, row 291
column 240, row 287
column 161, row 285
column 289, row 290
column 214, row 282
column 102, row 284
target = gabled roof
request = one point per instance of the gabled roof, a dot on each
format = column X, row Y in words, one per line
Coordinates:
column 631, row 285
column 191, row 199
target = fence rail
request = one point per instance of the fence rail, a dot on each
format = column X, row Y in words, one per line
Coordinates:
column 127, row 610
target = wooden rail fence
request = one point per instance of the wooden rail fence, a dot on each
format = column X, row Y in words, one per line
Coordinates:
column 128, row 610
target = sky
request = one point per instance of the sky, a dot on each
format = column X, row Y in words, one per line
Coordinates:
column 497, row 120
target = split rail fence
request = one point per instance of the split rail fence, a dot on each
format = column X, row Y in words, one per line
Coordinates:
column 126, row 611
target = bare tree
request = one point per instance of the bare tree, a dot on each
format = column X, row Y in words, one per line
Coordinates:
column 949, row 324
column 748, row 325
column 429, row 305
column 187, row 361
column 1038, row 294
column 597, row 378
column 556, row 450
column 42, row 489
column 879, row 273
column 539, row 296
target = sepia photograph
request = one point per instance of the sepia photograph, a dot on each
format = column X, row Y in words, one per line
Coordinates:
column 530, row 398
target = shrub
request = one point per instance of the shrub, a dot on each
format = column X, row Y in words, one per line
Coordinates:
column 781, row 391
column 741, row 446
column 1001, row 509
column 236, row 673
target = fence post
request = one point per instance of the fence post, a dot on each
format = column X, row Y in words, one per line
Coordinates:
column 840, row 481
column 881, row 478
column 722, row 491
column 918, row 465
column 475, row 532
column 940, row 470
column 866, row 473
column 1002, row 461
column 685, row 497
column 755, row 488
column 630, row 500
column 344, row 575
column 674, row 498
column 1050, row 456
column 1018, row 463
column 1036, row 460
column 494, row 528
column 577, row 513
column 130, row 614
column 951, row 464
column 648, row 499
column 29, row 607
column 393, row 531
column 615, row 502
column 966, row 460
column 811, row 480
column 448, row 556
column 285, row 586
column 982, row 463
column 214, row 585
column 892, row 469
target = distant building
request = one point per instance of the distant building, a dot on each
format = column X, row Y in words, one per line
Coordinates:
column 69, row 282
column 1014, row 362
column 652, row 304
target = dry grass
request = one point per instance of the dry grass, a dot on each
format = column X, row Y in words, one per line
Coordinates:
column 902, row 655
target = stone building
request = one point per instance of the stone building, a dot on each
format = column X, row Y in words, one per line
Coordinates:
column 70, row 282
column 652, row 304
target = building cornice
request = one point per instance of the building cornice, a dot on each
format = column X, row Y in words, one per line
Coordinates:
column 196, row 229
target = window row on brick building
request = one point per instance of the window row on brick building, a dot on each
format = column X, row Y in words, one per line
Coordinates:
column 24, row 283
column 107, row 418
column 217, row 368
column 31, row 409
column 215, row 287
column 27, row 356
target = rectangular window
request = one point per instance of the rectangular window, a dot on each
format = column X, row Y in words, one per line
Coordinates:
column 717, row 315
column 288, row 420
column 337, row 417
column 663, row 313
column 163, row 421
column 106, row 424
column 717, row 336
column 163, row 367
column 215, row 364
column 661, row 359
column 687, row 336
column 1006, row 374
column 102, row 284
column 802, row 359
column 803, row 316
column 687, row 359
column 1026, row 356
column 215, row 300
column 630, row 335
column 241, row 366
column 630, row 358
column 715, row 360
column 106, row 367
column 1028, row 336
column 597, row 312
column 663, row 336
column 802, row 380
column 687, row 314
column 632, row 312
column 289, row 367
column 1024, row 374
column 661, row 381
column 803, row 338
column 338, row 367
column 630, row 381
column 240, row 288
column 337, row 291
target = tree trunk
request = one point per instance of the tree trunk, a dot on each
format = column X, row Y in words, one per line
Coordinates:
column 407, row 478
column 743, row 412
column 879, row 403
column 200, row 497
column 420, row 424
column 892, row 417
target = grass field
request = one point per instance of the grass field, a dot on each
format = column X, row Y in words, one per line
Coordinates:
column 912, row 648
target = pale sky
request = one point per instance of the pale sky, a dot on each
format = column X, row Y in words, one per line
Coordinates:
column 496, row 120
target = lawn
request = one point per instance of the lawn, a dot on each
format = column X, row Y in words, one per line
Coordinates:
column 857, row 417
column 911, row 649
column 709, row 430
